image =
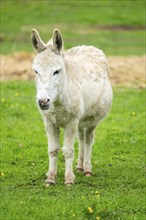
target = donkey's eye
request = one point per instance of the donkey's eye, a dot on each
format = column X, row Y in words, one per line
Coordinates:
column 36, row 72
column 56, row 72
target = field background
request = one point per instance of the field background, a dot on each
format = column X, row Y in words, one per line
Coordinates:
column 116, row 191
column 115, row 26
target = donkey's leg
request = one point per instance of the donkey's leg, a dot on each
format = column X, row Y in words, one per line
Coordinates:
column 53, row 147
column 81, row 135
column 68, row 151
column 89, row 138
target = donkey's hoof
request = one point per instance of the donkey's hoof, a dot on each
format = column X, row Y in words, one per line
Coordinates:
column 69, row 179
column 79, row 169
column 50, row 182
column 88, row 173
column 68, row 184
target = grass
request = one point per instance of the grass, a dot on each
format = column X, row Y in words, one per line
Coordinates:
column 79, row 22
column 116, row 191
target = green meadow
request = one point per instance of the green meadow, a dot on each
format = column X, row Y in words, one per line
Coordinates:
column 117, row 27
column 116, row 191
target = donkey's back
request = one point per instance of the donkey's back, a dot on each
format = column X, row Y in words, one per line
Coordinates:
column 88, row 58
column 88, row 68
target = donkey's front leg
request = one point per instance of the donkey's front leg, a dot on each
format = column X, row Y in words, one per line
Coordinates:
column 53, row 147
column 68, row 151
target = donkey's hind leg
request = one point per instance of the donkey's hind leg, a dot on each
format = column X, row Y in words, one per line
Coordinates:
column 89, row 140
column 80, row 161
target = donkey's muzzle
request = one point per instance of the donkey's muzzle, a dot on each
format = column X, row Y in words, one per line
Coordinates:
column 44, row 104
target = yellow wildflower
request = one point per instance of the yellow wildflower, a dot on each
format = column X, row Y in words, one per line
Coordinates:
column 133, row 113
column 2, row 174
column 90, row 210
column 3, row 100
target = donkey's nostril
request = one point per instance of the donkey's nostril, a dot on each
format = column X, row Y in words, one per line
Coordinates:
column 46, row 101
column 43, row 101
column 40, row 101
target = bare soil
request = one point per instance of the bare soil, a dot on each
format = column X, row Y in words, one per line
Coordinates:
column 129, row 71
column 121, row 27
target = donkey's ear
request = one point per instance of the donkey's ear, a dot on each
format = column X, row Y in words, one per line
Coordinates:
column 37, row 43
column 57, row 40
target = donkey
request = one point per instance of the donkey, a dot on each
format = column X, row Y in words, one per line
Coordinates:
column 73, row 93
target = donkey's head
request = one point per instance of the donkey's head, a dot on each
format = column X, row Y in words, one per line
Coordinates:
column 49, row 68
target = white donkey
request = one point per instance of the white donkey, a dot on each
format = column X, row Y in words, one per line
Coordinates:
column 73, row 92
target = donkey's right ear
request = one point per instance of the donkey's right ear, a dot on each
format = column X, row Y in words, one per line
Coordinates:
column 37, row 43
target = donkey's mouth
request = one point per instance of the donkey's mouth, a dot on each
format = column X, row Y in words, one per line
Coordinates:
column 44, row 107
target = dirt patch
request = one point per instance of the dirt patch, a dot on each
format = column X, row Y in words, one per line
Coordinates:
column 16, row 67
column 128, row 71
column 121, row 27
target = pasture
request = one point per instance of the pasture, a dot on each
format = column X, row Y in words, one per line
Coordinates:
column 99, row 23
column 116, row 191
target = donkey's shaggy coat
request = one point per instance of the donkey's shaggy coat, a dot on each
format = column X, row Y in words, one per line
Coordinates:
column 73, row 92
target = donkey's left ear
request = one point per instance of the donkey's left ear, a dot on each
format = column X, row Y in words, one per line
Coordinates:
column 37, row 42
column 57, row 40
